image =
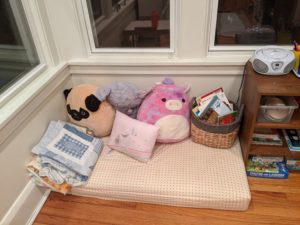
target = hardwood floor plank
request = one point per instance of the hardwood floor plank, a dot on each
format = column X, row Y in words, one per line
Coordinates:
column 273, row 202
column 293, row 198
column 65, row 221
column 90, row 201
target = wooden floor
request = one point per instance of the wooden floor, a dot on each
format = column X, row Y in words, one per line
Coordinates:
column 273, row 202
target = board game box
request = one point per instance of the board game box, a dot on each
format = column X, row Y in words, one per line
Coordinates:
column 267, row 168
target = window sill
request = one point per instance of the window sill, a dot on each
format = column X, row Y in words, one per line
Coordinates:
column 28, row 98
column 160, row 60
column 21, row 84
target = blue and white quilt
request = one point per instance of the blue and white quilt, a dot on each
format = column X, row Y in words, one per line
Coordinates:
column 70, row 147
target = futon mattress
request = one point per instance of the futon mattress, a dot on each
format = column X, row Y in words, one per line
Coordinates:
column 183, row 174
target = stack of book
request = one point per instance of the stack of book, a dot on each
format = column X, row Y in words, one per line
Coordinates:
column 293, row 164
column 292, row 138
column 214, row 108
column 267, row 167
column 266, row 136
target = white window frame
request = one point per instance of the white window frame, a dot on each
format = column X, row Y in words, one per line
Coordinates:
column 104, row 11
column 223, row 48
column 83, row 10
column 44, row 55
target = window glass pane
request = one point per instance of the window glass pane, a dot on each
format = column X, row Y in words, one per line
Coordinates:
column 97, row 13
column 130, row 23
column 115, row 2
column 257, row 22
column 17, row 52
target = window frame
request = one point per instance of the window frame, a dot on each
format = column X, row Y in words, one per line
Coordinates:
column 224, row 48
column 84, row 14
column 46, row 59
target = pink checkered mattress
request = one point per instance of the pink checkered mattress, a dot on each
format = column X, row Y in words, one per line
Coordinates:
column 184, row 174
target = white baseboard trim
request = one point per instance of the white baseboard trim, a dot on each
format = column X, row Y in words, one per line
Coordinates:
column 27, row 206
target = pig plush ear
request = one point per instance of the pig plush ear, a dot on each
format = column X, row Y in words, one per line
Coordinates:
column 103, row 93
column 144, row 93
column 187, row 88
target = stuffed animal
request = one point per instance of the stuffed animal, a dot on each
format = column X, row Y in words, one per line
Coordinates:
column 85, row 110
column 125, row 97
column 167, row 106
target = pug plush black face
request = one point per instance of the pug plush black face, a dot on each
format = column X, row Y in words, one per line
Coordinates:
column 84, row 109
column 78, row 115
column 91, row 103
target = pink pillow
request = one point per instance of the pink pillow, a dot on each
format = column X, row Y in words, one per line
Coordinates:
column 132, row 137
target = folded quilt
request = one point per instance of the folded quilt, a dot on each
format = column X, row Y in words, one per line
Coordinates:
column 64, row 157
column 64, row 145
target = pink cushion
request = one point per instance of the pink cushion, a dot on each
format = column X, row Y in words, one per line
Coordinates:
column 132, row 137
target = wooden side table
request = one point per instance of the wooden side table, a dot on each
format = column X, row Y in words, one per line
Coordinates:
column 255, row 87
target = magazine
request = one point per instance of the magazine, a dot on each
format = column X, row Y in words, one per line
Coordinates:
column 220, row 107
column 34, row 168
column 214, row 108
column 266, row 142
column 228, row 118
column 208, row 96
column 267, row 133
column 293, row 164
column 289, row 142
column 294, row 137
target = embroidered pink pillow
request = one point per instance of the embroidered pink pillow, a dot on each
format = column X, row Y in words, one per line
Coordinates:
column 132, row 137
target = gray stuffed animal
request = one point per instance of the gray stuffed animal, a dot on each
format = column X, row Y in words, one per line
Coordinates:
column 125, row 97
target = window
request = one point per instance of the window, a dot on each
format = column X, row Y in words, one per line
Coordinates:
column 97, row 6
column 17, row 51
column 116, row 4
column 128, row 23
column 257, row 22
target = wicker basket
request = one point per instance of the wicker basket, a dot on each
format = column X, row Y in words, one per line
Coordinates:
column 216, row 136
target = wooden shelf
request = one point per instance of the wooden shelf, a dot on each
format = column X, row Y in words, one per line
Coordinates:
column 274, row 150
column 293, row 155
column 255, row 87
column 294, row 123
column 269, row 150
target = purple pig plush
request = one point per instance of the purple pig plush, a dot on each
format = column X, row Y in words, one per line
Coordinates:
column 167, row 106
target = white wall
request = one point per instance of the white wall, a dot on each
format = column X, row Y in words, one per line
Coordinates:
column 201, row 79
column 192, row 22
column 63, row 25
column 15, row 149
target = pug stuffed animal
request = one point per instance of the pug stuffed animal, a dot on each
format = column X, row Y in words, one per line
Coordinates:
column 85, row 110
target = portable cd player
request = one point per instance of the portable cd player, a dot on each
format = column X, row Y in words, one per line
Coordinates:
column 273, row 60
